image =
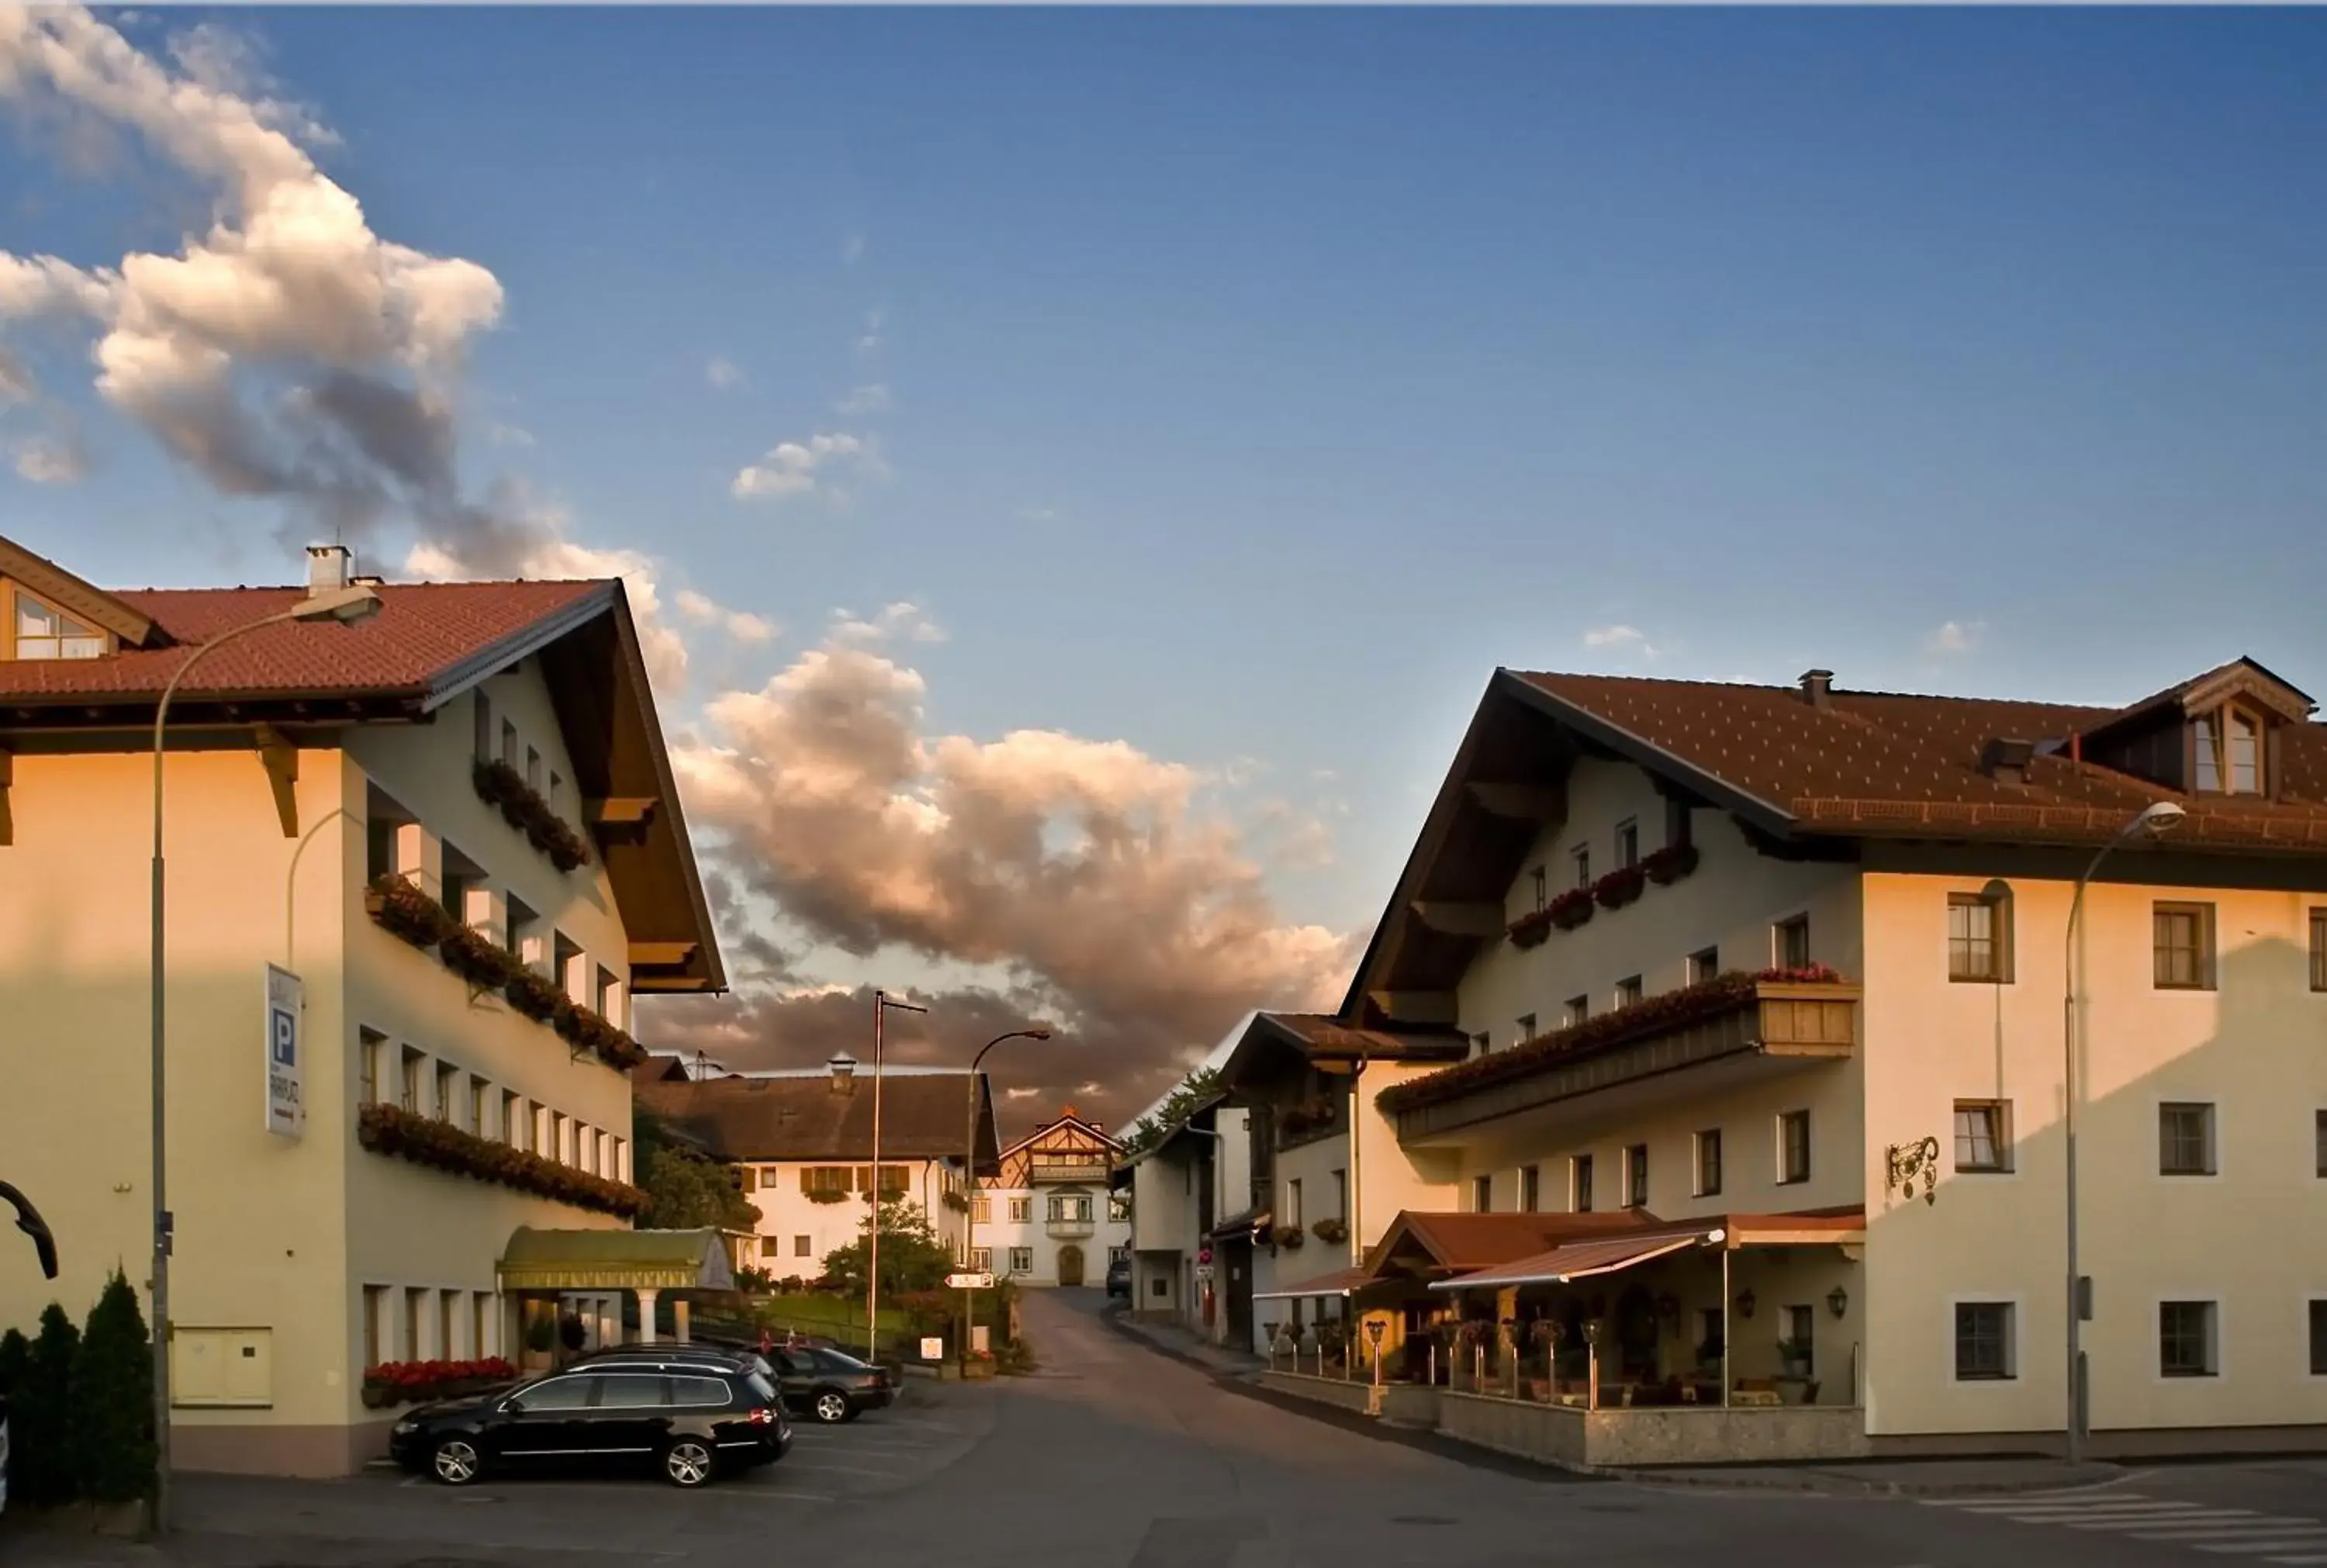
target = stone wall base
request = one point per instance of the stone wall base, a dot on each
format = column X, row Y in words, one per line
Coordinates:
column 255, row 1449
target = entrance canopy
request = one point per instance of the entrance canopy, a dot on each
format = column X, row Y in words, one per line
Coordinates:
column 1584, row 1259
column 598, row 1260
column 1340, row 1282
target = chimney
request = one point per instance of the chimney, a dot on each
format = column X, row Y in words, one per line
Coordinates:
column 2006, row 760
column 1817, row 687
column 328, row 568
column 843, row 1069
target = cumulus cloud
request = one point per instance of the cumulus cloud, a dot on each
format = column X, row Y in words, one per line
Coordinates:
column 792, row 467
column 1620, row 639
column 702, row 610
column 1953, row 637
column 50, row 459
column 287, row 352
column 1083, row 870
column 873, row 397
column 722, row 373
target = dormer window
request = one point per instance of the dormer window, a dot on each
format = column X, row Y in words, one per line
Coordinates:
column 41, row 632
column 2226, row 748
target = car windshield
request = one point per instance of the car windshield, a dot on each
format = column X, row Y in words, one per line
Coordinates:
column 761, row 1390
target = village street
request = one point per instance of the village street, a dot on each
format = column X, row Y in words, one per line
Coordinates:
column 1118, row 1457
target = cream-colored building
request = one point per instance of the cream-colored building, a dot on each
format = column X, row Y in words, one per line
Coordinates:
column 306, row 762
column 1047, row 1217
column 1775, row 977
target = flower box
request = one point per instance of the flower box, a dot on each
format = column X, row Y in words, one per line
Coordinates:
column 533, row 994
column 522, row 807
column 386, row 1129
column 1331, row 1232
column 392, row 1382
column 1667, row 865
column 475, row 957
column 1530, row 929
column 1571, row 908
column 1619, row 887
column 1284, row 1236
column 397, row 906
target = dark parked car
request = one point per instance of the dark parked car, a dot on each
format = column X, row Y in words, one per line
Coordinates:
column 1118, row 1278
column 704, row 1354
column 690, row 1419
column 828, row 1384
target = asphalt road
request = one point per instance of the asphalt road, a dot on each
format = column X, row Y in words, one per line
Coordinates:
column 1117, row 1457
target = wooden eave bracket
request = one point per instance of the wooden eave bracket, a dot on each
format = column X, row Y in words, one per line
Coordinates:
column 280, row 758
column 621, row 817
column 662, row 954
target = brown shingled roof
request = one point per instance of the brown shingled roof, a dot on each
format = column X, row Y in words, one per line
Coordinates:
column 1326, row 1038
column 924, row 1116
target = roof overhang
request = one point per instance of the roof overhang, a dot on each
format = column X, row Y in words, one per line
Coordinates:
column 587, row 1260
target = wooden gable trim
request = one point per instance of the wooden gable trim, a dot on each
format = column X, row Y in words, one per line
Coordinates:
column 2246, row 680
column 52, row 584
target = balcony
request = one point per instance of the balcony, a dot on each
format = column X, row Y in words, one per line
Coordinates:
column 1704, row 1038
column 1051, row 1170
column 1070, row 1230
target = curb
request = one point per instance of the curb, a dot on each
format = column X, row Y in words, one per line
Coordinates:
column 1830, row 1483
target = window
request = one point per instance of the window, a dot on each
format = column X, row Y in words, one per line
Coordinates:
column 1530, row 1189
column 1580, row 857
column 618, row 1164
column 1630, row 990
column 1979, row 941
column 2228, row 758
column 651, row 1391
column 896, row 1181
column 448, row 1093
column 1541, row 879
column 369, row 1043
column 481, row 1338
column 2318, row 1137
column 1022, row 1260
column 1526, row 1027
column 1628, row 842
column 1062, row 1209
column 1021, row 1210
column 1291, row 1215
column 407, row 1083
column 981, row 1260
column 1342, row 1195
column 1708, row 1162
column 415, row 1323
column 772, row 1247
column 1636, row 1176
column 561, row 1138
column 556, row 793
column 801, row 1246
column 1579, row 1183
column 981, row 1211
column 1483, row 1194
column 1983, row 1341
column 824, row 1179
column 45, row 633
column 1118, row 1206
column 448, row 1315
column 508, row 742
column 2319, row 1338
column 559, row 1393
column 1704, row 965
column 533, row 770
column 1982, row 1134
column 2184, row 945
column 2186, row 1345
column 481, row 1107
column 2185, row 1140
column 2208, row 755
column 1575, row 1011
column 2246, row 754
column 1801, row 1324
column 1791, row 943
column 747, row 1179
column 512, row 1118
column 2319, row 949
column 1793, row 1146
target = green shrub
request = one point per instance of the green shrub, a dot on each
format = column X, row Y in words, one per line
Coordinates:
column 41, row 1469
column 540, row 1336
column 15, row 1358
column 112, row 1439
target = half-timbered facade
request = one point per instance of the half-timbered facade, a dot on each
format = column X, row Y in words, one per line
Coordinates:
column 1047, row 1219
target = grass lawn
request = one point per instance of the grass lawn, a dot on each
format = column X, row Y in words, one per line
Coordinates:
column 817, row 1314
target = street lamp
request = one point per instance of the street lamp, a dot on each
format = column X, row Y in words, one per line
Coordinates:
column 883, row 1005
column 345, row 606
column 969, row 1172
column 2157, row 817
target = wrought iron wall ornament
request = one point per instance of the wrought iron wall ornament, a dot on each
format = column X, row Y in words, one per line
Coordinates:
column 1908, row 1162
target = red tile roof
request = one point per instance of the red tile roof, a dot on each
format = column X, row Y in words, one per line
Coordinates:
column 1883, row 763
column 423, row 631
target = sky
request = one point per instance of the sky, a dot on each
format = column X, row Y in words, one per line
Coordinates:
column 1078, row 469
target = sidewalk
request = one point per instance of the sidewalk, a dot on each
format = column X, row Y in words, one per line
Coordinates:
column 1185, row 1345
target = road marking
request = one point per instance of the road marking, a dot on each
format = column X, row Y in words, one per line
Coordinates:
column 2308, row 1538
column 2204, row 1530
column 846, row 1470
column 2188, row 1517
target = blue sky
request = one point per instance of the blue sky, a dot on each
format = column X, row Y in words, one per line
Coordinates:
column 1258, row 381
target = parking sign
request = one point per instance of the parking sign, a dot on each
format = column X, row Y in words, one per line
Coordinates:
column 286, row 1109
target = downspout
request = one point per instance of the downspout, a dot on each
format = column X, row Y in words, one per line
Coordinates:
column 1357, row 1184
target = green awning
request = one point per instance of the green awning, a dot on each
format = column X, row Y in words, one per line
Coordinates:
column 597, row 1260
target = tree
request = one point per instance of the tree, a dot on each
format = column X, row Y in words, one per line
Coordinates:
column 912, row 1259
column 1181, row 1103
column 40, row 1416
column 689, row 1189
column 112, row 1442
column 15, row 1358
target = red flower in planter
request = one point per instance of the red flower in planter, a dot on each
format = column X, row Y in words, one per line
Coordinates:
column 398, row 907
column 471, row 955
column 1667, row 865
column 1530, row 929
column 1620, row 887
column 1571, row 908
column 425, row 1141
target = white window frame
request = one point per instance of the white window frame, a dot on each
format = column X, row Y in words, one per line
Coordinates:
column 2219, row 1348
column 1784, row 918
column 2014, row 1353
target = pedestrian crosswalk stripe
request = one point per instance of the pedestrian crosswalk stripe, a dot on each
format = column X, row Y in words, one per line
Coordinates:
column 2190, row 1517
column 2206, row 1529
column 2276, row 1543
column 2240, row 1533
column 2304, row 1561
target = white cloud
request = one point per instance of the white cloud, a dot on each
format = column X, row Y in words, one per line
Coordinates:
column 1954, row 638
column 871, row 339
column 702, row 610
column 1620, row 639
column 1021, row 1093
column 50, row 460
column 873, row 397
column 791, row 468
column 902, row 621
column 722, row 373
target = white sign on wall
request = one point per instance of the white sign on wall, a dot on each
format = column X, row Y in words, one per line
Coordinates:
column 287, row 1105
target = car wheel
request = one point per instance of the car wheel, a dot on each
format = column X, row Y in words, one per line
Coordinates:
column 456, row 1462
column 832, row 1407
column 687, row 1462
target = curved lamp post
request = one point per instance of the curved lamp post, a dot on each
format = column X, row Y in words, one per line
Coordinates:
column 969, row 1175
column 2157, row 817
column 345, row 606
column 883, row 1005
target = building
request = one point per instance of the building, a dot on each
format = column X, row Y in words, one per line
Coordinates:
column 417, row 869
column 1763, row 991
column 1048, row 1217
column 1190, row 1193
column 804, row 1141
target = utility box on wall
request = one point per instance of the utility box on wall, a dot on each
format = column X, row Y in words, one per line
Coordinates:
column 233, row 1368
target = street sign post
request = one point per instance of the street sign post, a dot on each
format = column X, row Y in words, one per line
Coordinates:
column 969, row 1281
